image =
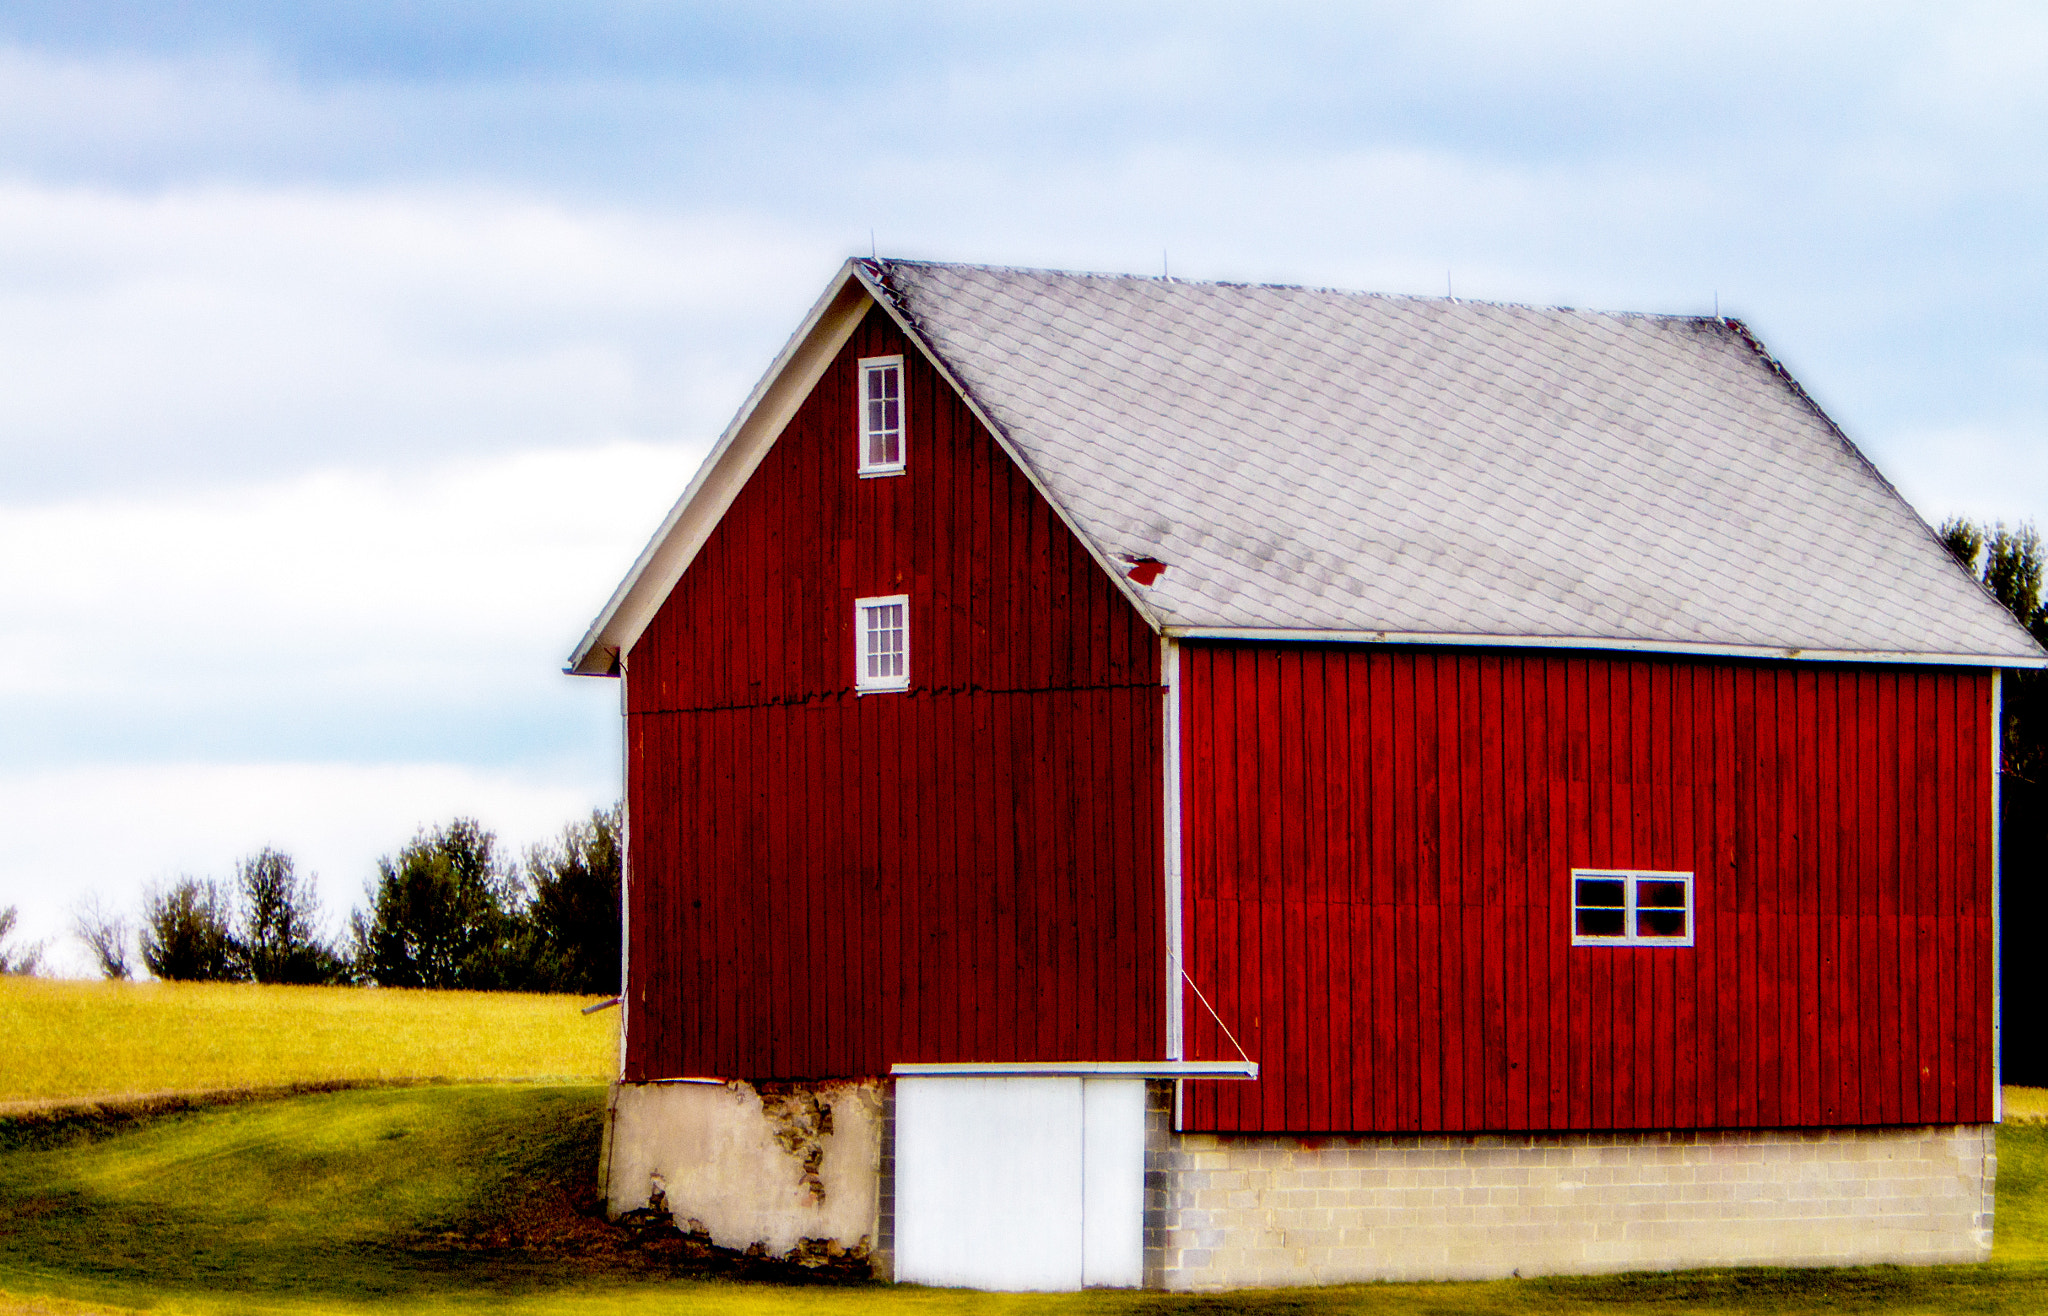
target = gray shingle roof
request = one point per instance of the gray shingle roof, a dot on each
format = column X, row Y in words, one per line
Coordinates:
column 1309, row 460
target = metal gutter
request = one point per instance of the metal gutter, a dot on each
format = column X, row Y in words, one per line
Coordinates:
column 1601, row 643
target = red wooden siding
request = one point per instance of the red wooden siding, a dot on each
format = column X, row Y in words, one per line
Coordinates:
column 823, row 884
column 1378, row 844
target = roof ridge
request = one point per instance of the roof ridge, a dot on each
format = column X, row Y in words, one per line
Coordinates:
column 878, row 266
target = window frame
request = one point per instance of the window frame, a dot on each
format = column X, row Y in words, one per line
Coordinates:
column 863, row 684
column 865, row 368
column 1630, row 878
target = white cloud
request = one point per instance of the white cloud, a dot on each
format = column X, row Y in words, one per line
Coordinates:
column 1982, row 472
column 113, row 830
column 209, row 334
column 338, row 612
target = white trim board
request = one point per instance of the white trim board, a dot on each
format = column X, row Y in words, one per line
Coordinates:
column 1248, row 1069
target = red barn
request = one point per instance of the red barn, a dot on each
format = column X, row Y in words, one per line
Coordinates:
column 1201, row 784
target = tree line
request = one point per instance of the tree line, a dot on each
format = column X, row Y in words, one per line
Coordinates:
column 447, row 911
column 2008, row 561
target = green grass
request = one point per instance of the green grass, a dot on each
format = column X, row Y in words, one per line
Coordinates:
column 72, row 1040
column 456, row 1199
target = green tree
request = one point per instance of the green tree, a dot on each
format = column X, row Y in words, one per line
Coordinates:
column 23, row 960
column 2009, row 561
column 279, row 909
column 573, row 916
column 444, row 913
column 188, row 933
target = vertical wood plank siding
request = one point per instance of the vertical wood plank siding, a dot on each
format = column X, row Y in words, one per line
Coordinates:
column 1378, row 844
column 825, row 884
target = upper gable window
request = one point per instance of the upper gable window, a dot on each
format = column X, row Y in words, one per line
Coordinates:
column 881, row 636
column 881, row 415
column 1629, row 907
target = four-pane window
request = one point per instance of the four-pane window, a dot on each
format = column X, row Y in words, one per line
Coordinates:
column 1631, row 907
column 881, row 628
column 881, row 415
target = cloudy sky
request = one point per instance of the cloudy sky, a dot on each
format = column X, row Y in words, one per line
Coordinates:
column 349, row 353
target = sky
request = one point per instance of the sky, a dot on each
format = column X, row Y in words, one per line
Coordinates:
column 349, row 354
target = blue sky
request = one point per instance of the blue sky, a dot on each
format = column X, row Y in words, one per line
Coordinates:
column 348, row 354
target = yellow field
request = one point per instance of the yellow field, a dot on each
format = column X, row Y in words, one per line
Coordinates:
column 2026, row 1103
column 71, row 1040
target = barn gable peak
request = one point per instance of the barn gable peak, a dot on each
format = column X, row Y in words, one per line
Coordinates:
column 823, row 334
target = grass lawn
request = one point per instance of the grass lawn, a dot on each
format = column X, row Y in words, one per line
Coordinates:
column 464, row 1198
column 472, row 1196
column 70, row 1040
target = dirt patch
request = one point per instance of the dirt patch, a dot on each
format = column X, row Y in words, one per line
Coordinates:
column 565, row 1227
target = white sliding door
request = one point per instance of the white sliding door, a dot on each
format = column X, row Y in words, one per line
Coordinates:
column 1020, row 1183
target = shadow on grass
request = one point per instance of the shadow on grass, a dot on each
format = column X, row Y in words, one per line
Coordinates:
column 371, row 1195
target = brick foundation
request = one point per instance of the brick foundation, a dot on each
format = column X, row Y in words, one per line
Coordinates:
column 1226, row 1211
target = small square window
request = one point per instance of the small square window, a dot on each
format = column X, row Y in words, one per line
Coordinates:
column 881, row 634
column 881, row 415
column 1626, row 907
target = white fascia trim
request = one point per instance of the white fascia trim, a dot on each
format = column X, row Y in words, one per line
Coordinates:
column 910, row 331
column 1246, row 1069
column 1282, row 635
column 746, row 441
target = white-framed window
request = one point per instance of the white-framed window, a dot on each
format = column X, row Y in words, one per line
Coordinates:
column 1631, row 907
column 881, row 638
column 881, row 415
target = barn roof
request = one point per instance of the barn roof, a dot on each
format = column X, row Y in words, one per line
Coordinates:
column 1321, row 464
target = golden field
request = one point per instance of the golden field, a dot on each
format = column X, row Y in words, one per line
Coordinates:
column 70, row 1040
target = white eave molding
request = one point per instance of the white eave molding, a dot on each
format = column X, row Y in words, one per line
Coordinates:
column 1242, row 1069
column 1594, row 642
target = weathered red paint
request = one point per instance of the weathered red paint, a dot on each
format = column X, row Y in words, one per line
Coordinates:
column 1377, row 839
column 1377, row 844
column 824, row 885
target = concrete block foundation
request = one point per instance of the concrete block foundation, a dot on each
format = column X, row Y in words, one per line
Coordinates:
column 795, row 1169
column 1235, row 1211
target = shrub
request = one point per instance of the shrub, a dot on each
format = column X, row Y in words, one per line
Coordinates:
column 278, row 910
column 188, row 933
column 23, row 960
column 444, row 913
column 573, row 916
column 106, row 935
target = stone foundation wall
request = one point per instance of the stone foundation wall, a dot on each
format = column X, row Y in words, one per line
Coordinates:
column 1228, row 1211
column 783, row 1170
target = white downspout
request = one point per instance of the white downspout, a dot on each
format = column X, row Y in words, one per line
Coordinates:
column 1169, row 674
column 1997, row 884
